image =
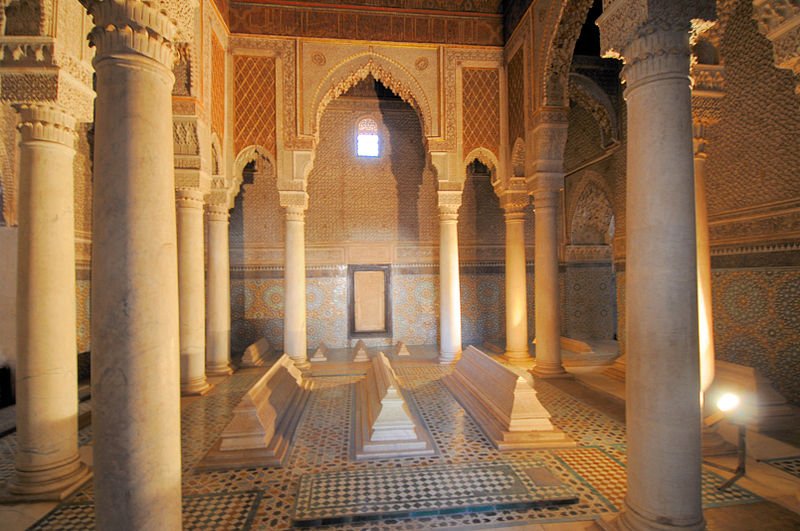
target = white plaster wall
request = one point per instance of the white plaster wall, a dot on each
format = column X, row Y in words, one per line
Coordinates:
column 8, row 295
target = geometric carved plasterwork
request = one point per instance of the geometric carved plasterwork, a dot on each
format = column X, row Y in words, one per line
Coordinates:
column 254, row 102
column 454, row 58
column 217, row 86
column 516, row 91
column 282, row 50
column 779, row 21
column 591, row 97
column 481, row 107
column 591, row 212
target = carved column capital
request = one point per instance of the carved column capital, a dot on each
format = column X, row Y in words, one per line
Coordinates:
column 125, row 27
column 218, row 212
column 515, row 204
column 189, row 198
column 700, row 136
column 549, row 140
column 449, row 203
column 47, row 123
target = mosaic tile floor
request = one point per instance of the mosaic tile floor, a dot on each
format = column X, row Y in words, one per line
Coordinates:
column 790, row 465
column 261, row 498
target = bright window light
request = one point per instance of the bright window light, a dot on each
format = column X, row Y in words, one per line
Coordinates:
column 368, row 145
column 728, row 402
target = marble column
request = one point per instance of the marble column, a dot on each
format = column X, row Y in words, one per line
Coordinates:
column 135, row 332
column 191, row 291
column 218, row 302
column 47, row 465
column 546, row 286
column 294, row 320
column 704, row 307
column 663, row 380
column 449, row 283
column 516, row 283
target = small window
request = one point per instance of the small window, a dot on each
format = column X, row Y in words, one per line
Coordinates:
column 368, row 143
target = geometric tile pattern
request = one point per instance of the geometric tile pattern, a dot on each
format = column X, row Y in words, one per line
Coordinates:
column 516, row 106
column 217, row 87
column 790, row 465
column 481, row 102
column 265, row 498
column 254, row 102
column 338, row 496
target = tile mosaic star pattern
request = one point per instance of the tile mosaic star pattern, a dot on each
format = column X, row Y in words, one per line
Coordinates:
column 340, row 496
column 790, row 465
column 265, row 498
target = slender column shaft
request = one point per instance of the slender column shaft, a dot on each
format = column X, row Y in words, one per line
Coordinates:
column 135, row 351
column 546, row 288
column 47, row 465
column 191, row 290
column 663, row 388
column 449, row 286
column 218, row 320
column 294, row 328
column 516, row 287
column 704, row 307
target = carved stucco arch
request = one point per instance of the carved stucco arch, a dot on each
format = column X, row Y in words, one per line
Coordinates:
column 246, row 156
column 588, row 94
column 485, row 157
column 567, row 28
column 589, row 179
column 356, row 68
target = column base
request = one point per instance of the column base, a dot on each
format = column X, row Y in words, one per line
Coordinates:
column 196, row 388
column 627, row 520
column 222, row 370
column 301, row 363
column 24, row 488
column 517, row 357
column 448, row 358
column 550, row 371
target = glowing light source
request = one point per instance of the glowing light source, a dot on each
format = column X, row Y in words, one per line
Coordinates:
column 728, row 402
column 368, row 146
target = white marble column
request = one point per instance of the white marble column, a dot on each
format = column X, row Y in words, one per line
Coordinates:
column 516, row 283
column 294, row 275
column 663, row 380
column 704, row 306
column 47, row 465
column 546, row 286
column 449, row 283
column 218, row 302
column 135, row 350
column 191, row 291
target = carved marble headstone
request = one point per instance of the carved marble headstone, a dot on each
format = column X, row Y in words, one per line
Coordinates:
column 321, row 353
column 361, row 352
column 401, row 349
column 257, row 354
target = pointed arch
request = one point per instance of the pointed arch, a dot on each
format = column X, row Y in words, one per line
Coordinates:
column 391, row 74
column 246, row 156
column 486, row 157
column 588, row 94
column 560, row 49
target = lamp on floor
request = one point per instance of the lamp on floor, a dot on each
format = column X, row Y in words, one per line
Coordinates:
column 727, row 404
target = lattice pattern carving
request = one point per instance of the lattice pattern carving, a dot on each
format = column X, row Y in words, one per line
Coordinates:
column 217, row 87
column 516, row 91
column 481, row 103
column 254, row 102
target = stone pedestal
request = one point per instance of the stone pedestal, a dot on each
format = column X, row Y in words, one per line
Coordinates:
column 449, row 284
column 191, row 290
column 546, row 288
column 47, row 465
column 135, row 349
column 663, row 375
column 294, row 327
column 218, row 301
column 516, row 285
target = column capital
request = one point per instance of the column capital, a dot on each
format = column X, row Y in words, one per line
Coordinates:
column 47, row 123
column 545, row 198
column 131, row 27
column 624, row 21
column 189, row 198
column 449, row 203
column 700, row 136
column 297, row 199
column 549, row 140
column 295, row 213
column 218, row 212
column 514, row 204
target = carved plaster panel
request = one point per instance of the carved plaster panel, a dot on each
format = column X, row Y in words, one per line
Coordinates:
column 779, row 21
column 556, row 66
column 591, row 97
column 348, row 63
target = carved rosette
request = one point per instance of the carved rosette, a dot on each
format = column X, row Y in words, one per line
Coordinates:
column 125, row 27
column 779, row 21
column 46, row 123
